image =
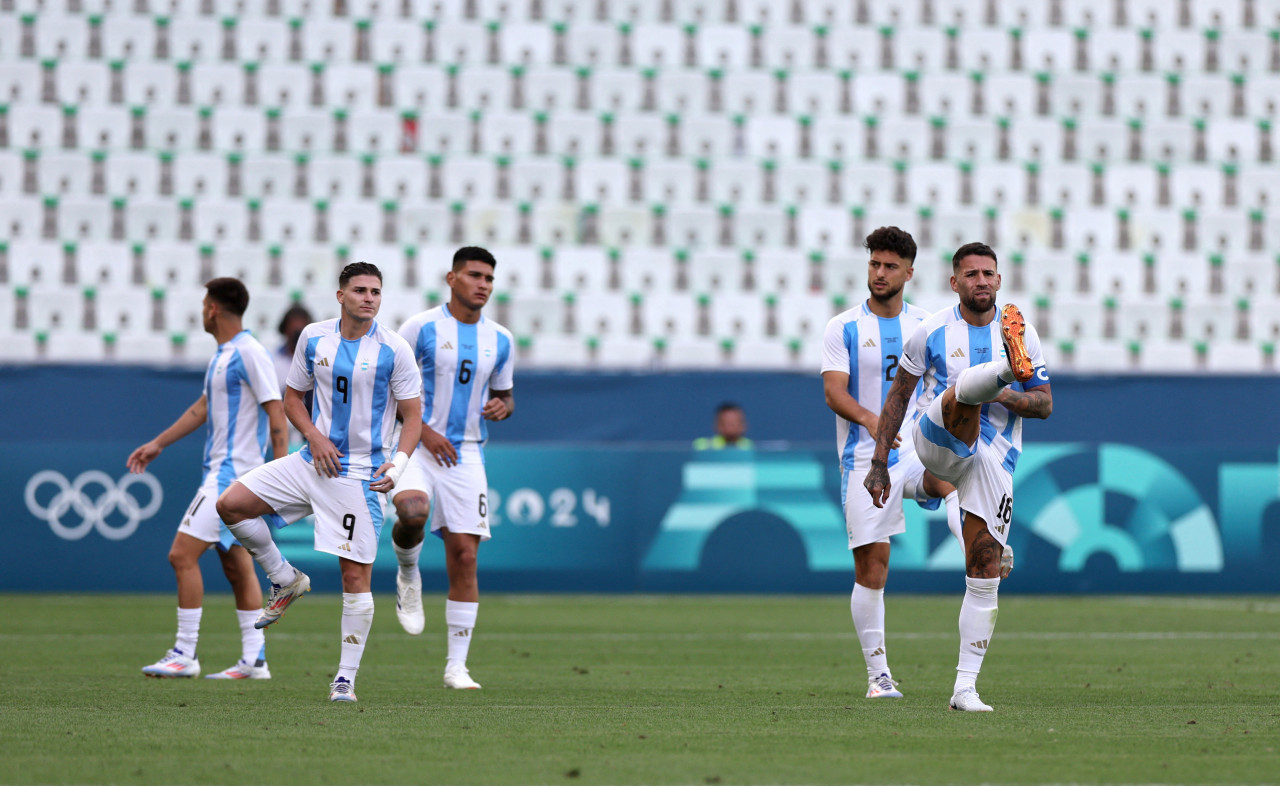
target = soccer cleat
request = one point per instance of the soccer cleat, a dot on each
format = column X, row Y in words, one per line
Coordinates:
column 173, row 664
column 409, row 604
column 1013, row 330
column 281, row 597
column 1006, row 562
column 883, row 687
column 457, row 677
column 341, row 689
column 243, row 670
column 967, row 701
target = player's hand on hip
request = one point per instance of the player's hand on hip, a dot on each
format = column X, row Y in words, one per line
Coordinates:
column 381, row 481
column 877, row 483
column 326, row 458
column 144, row 455
column 439, row 447
column 495, row 409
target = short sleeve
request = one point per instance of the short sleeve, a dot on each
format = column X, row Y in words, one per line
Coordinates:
column 835, row 350
column 301, row 377
column 503, row 377
column 405, row 380
column 409, row 332
column 261, row 373
column 914, row 358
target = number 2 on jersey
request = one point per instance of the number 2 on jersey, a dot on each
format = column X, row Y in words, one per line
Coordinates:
column 890, row 366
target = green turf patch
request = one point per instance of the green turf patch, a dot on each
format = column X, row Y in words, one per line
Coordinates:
column 637, row 689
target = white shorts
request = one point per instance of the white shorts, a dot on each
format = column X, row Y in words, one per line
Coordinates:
column 983, row 485
column 459, row 494
column 201, row 519
column 863, row 521
column 348, row 515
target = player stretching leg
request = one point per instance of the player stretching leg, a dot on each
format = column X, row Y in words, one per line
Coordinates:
column 861, row 350
column 363, row 375
column 467, row 369
column 239, row 388
column 971, row 434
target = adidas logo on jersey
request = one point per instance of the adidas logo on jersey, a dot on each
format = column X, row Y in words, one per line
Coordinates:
column 352, row 639
column 959, row 353
column 344, row 547
column 871, row 342
column 981, row 645
column 447, row 345
column 323, row 362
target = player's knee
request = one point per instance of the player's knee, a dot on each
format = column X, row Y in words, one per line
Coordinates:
column 181, row 560
column 464, row 560
column 984, row 559
column 412, row 509
column 226, row 510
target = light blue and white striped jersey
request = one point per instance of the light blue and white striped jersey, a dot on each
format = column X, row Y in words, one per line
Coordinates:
column 357, row 384
column 240, row 378
column 944, row 345
column 460, row 363
column 867, row 348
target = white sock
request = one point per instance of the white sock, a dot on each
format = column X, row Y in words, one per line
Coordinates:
column 461, row 619
column 255, row 535
column 253, row 642
column 867, row 607
column 188, row 631
column 408, row 559
column 981, row 383
column 977, row 624
column 357, row 618
column 955, row 521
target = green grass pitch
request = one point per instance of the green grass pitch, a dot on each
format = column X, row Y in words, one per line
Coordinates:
column 644, row 689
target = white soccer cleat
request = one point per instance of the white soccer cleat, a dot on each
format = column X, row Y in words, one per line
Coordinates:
column 967, row 701
column 409, row 604
column 883, row 687
column 341, row 689
column 243, row 670
column 457, row 677
column 281, row 597
column 1006, row 562
column 173, row 664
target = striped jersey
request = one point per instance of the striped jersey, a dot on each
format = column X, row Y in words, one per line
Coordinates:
column 868, row 348
column 944, row 345
column 240, row 378
column 357, row 384
column 460, row 364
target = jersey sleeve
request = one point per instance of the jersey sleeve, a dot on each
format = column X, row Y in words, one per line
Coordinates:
column 405, row 380
column 914, row 358
column 301, row 377
column 503, row 377
column 261, row 373
column 835, row 352
column 1036, row 352
column 409, row 332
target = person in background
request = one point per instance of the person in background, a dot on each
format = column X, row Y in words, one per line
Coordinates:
column 731, row 430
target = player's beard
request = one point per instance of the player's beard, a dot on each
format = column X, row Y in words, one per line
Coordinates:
column 972, row 303
column 887, row 297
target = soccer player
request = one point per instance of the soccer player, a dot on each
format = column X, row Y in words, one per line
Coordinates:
column 241, row 406
column 363, row 375
column 467, row 369
column 861, row 351
column 983, row 372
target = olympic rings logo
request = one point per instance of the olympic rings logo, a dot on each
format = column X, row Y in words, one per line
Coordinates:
column 92, row 511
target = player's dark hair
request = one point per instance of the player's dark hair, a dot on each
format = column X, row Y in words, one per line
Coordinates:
column 893, row 240
column 728, row 406
column 296, row 311
column 469, row 253
column 230, row 293
column 358, row 269
column 973, row 249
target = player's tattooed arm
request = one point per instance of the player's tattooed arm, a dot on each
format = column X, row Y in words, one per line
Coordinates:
column 892, row 413
column 1034, row 403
